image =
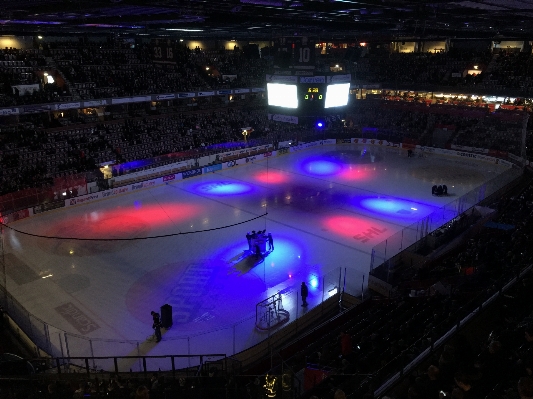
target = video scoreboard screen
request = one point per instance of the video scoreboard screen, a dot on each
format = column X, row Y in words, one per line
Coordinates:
column 282, row 95
column 307, row 96
column 337, row 95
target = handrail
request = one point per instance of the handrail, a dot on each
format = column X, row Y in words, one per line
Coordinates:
column 64, row 361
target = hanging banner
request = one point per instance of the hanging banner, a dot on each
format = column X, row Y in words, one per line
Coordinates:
column 160, row 97
column 9, row 111
column 67, row 106
column 94, row 103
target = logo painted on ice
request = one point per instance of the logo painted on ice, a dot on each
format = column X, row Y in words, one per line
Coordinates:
column 369, row 234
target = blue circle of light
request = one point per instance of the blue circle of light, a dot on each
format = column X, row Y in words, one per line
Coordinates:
column 394, row 206
column 223, row 188
column 322, row 168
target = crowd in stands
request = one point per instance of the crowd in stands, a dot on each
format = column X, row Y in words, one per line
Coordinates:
column 499, row 365
column 84, row 70
column 102, row 70
column 212, row 383
column 32, row 152
column 22, row 79
column 442, row 68
column 112, row 68
column 229, row 69
column 439, row 125
column 512, row 69
column 31, row 156
column 495, row 131
column 500, row 70
column 375, row 119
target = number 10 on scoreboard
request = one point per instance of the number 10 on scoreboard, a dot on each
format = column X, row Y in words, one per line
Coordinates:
column 305, row 55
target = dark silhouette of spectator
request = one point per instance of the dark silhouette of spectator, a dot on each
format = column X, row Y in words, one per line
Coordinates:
column 525, row 388
column 304, row 292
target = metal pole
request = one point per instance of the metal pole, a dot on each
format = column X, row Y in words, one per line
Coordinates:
column 61, row 345
column 139, row 354
column 173, row 366
column 339, row 287
column 234, row 339
column 48, row 341
column 92, row 352
column 416, row 240
column 3, row 264
column 68, row 351
column 323, row 287
column 297, row 307
column 189, row 350
column 30, row 324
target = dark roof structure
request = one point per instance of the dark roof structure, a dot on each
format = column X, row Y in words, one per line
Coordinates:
column 263, row 19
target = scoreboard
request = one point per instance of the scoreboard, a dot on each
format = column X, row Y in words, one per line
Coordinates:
column 308, row 96
column 312, row 97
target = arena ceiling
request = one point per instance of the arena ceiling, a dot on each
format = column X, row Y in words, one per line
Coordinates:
column 270, row 18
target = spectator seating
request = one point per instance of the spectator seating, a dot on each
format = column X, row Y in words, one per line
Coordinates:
column 511, row 70
column 442, row 68
column 23, row 79
column 94, row 70
column 470, row 126
column 101, row 70
column 31, row 155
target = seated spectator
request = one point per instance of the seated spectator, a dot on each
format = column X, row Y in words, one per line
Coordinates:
column 142, row 393
column 339, row 394
column 525, row 388
column 465, row 384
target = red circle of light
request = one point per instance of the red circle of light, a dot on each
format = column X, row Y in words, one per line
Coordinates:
column 271, row 177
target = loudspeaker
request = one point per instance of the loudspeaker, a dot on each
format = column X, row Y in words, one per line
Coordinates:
column 166, row 316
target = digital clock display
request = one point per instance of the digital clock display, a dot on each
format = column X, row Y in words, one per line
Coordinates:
column 313, row 94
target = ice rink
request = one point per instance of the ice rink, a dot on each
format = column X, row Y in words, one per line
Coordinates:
column 326, row 207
